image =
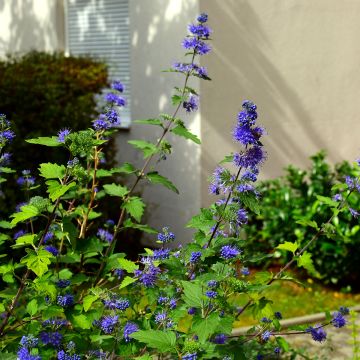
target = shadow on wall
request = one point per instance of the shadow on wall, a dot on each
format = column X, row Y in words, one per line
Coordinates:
column 29, row 24
column 242, row 68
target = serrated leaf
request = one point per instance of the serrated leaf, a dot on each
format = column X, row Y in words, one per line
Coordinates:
column 126, row 168
column 52, row 171
column 288, row 246
column 32, row 307
column 81, row 321
column 162, row 341
column 6, row 225
column 27, row 239
column 27, row 212
column 181, row 130
column 135, row 207
column 6, row 170
column 56, row 190
column 37, row 262
column 88, row 301
column 306, row 222
column 328, row 201
column 204, row 221
column 204, row 328
column 127, row 265
column 146, row 147
column 250, row 201
column 156, row 122
column 116, row 190
column 156, row 178
column 127, row 281
column 46, row 141
column 176, row 99
column 193, row 294
column 146, row 228
column 306, row 262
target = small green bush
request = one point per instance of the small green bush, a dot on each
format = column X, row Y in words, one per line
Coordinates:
column 42, row 93
column 293, row 198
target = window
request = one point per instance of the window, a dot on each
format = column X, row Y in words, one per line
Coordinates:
column 101, row 28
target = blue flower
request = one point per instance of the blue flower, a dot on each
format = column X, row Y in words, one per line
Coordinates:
column 338, row 320
column 48, row 236
column 161, row 317
column 24, row 354
column 220, row 339
column 229, row 252
column 108, row 323
column 354, row 213
column 105, row 235
column 266, row 320
column 62, row 355
column 52, row 249
column 166, row 236
column 6, row 135
column 117, row 85
column 278, row 315
column 198, row 46
column 192, row 356
column 317, row 333
column 5, row 159
column 265, row 336
column 149, row 275
column 245, row 271
column 200, row 30
column 195, row 257
column 119, row 273
column 211, row 294
column 62, row 134
column 344, row 310
column 115, row 99
column 202, row 18
column 241, row 217
column 212, row 284
column 120, row 304
column 51, row 338
column 29, row 341
column 65, row 300
column 161, row 254
column 191, row 311
column 129, row 328
column 277, row 350
column 172, row 304
column 250, row 158
column 55, row 322
column 191, row 104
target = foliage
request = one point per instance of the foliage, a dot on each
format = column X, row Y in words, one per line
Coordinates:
column 303, row 197
column 71, row 295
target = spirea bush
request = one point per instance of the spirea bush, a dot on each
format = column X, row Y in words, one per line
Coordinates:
column 298, row 196
column 71, row 296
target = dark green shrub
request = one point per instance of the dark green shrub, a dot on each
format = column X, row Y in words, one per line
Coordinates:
column 42, row 93
column 293, row 197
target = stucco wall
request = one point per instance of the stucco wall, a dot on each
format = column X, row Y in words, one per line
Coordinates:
column 157, row 32
column 31, row 24
column 299, row 61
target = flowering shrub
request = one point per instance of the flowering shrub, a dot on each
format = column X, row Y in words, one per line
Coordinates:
column 72, row 296
column 298, row 196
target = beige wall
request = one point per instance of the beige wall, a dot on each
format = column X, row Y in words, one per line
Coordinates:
column 299, row 61
column 31, row 24
column 157, row 31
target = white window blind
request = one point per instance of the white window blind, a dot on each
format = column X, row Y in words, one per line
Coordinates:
column 100, row 28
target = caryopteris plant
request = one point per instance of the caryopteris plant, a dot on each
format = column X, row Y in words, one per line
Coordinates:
column 70, row 295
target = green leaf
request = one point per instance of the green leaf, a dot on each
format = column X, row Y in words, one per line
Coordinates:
column 52, row 171
column 288, row 246
column 25, row 240
column 127, row 281
column 204, row 328
column 156, row 122
column 81, row 321
column 306, row 222
column 181, row 130
column 46, row 141
column 147, row 148
column 127, row 265
column 146, row 228
column 204, row 221
column 163, row 341
column 282, row 343
column 135, row 207
column 27, row 212
column 328, row 201
column 56, row 190
column 32, row 307
column 250, row 201
column 6, row 170
column 176, row 99
column 88, row 301
column 306, row 262
column 156, row 178
column 116, row 190
column 126, row 168
column 37, row 262
column 6, row 225
column 193, row 294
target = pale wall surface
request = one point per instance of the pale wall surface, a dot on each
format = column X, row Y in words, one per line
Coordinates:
column 299, row 62
column 31, row 24
column 157, row 31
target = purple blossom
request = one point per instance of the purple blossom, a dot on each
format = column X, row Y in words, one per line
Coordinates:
column 266, row 320
column 265, row 336
column 244, row 135
column 63, row 283
column 191, row 104
column 161, row 317
column 52, row 249
column 29, row 341
column 108, row 323
column 119, row 273
column 120, row 304
column 115, row 99
column 55, row 322
column 211, row 294
column 100, row 123
column 24, row 354
column 48, row 236
column 250, row 158
column 5, row 159
column 62, row 355
column 337, row 197
column 6, row 135
column 200, row 30
column 354, row 213
column 198, row 46
column 161, row 254
column 19, row 234
column 278, row 315
column 51, row 338
column 65, row 300
column 195, row 257
column 241, row 217
column 212, row 284
column 129, row 328
column 117, row 85
column 26, row 181
column 105, row 235
column 172, row 304
column 229, row 252
column 249, row 176
column 245, row 271
column 220, row 339
column 191, row 311
column 338, row 320
column 166, row 236
column 202, row 18
column 62, row 134
column 192, row 356
column 149, row 275
column 344, row 310
column 317, row 333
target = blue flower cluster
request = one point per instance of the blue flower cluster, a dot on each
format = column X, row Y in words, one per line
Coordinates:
column 166, row 236
column 129, row 329
column 119, row 304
